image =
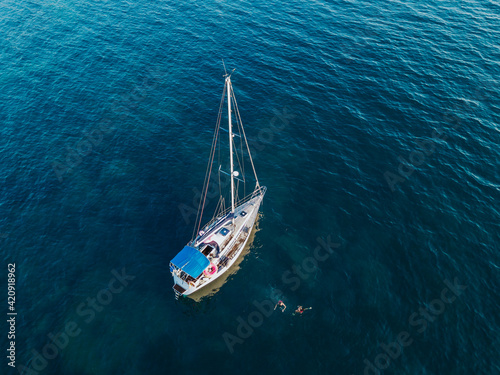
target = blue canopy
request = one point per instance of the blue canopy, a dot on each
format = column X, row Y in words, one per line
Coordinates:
column 191, row 261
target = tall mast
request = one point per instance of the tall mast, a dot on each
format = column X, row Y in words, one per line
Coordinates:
column 228, row 82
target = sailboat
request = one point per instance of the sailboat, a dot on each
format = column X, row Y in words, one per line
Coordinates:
column 216, row 246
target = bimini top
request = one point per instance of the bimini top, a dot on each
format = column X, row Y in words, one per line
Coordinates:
column 190, row 261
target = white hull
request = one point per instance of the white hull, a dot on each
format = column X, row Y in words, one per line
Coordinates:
column 192, row 290
column 220, row 243
column 230, row 251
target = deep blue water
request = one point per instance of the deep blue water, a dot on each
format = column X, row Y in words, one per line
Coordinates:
column 374, row 125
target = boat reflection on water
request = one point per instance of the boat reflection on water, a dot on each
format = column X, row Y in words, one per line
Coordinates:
column 216, row 285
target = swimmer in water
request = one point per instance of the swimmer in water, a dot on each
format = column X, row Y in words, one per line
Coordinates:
column 301, row 309
column 281, row 305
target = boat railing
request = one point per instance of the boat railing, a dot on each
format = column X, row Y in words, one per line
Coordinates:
column 261, row 190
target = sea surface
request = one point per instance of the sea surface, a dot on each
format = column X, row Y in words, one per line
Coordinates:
column 373, row 124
